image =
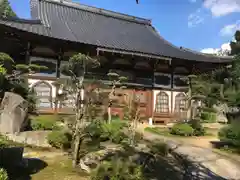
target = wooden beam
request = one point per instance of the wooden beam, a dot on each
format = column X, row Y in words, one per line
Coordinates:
column 134, row 53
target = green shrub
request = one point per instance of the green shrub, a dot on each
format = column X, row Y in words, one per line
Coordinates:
column 138, row 136
column 160, row 148
column 113, row 131
column 3, row 142
column 208, row 117
column 3, row 174
column 117, row 169
column 199, row 130
column 44, row 122
column 209, row 110
column 182, row 130
column 94, row 130
column 59, row 139
column 230, row 134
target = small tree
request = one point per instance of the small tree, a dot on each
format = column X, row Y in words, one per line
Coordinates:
column 13, row 79
column 116, row 80
column 133, row 115
column 76, row 69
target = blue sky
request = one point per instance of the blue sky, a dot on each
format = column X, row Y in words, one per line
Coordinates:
column 196, row 24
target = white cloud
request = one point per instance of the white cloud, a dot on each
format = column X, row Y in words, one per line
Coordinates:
column 216, row 8
column 230, row 29
column 222, row 7
column 209, row 50
column 195, row 18
column 224, row 48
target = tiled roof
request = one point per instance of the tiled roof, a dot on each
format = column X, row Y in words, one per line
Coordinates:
column 102, row 28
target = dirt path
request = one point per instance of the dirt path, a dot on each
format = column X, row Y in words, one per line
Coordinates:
column 215, row 165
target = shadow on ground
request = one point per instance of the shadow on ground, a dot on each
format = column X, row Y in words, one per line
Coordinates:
column 24, row 171
column 172, row 166
column 195, row 171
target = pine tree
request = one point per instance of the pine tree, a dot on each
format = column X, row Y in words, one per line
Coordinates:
column 6, row 10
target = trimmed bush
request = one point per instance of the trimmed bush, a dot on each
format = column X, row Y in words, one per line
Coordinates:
column 59, row 139
column 230, row 134
column 3, row 174
column 208, row 117
column 199, row 130
column 160, row 148
column 182, row 130
column 44, row 122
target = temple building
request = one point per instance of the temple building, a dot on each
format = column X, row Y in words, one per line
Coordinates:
column 129, row 45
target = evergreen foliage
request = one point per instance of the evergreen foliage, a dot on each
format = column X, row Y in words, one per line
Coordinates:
column 116, row 169
column 77, row 68
column 59, row 139
column 230, row 134
column 6, row 10
column 13, row 79
column 182, row 129
column 3, row 174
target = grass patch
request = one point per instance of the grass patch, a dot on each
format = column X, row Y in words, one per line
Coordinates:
column 166, row 132
column 59, row 168
column 158, row 131
column 230, row 150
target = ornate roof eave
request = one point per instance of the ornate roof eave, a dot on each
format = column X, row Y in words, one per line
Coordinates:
column 99, row 49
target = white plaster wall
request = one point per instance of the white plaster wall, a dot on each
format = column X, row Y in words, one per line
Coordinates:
column 171, row 98
column 31, row 82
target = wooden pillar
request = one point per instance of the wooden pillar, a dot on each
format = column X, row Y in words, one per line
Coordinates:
column 172, row 86
column 28, row 53
column 27, row 59
column 60, row 58
column 152, row 91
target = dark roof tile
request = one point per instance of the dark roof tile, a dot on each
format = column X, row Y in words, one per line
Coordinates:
column 89, row 25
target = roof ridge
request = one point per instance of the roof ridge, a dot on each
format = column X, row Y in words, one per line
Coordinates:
column 186, row 49
column 101, row 11
column 21, row 20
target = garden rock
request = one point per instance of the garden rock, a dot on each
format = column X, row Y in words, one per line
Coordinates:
column 221, row 111
column 91, row 160
column 13, row 113
column 33, row 138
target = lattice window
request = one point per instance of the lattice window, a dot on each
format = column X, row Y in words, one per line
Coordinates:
column 44, row 94
column 180, row 102
column 42, row 90
column 162, row 103
column 43, row 103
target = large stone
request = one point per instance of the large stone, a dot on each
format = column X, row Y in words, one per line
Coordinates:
column 13, row 113
column 221, row 111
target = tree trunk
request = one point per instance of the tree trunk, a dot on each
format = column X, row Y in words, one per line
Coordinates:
column 76, row 148
column 189, row 102
column 109, row 115
column 77, row 126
